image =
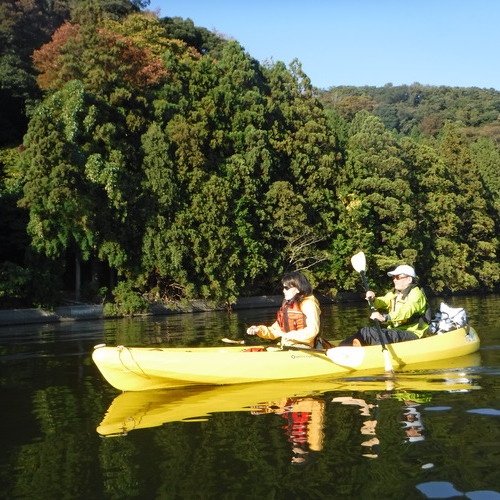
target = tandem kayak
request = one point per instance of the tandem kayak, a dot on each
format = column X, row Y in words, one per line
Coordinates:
column 147, row 368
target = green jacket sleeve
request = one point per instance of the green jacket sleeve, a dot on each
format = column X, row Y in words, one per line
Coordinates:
column 400, row 311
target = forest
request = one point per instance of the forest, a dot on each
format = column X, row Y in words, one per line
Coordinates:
column 145, row 159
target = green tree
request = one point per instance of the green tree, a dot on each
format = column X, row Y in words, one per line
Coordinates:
column 376, row 199
column 425, row 176
column 307, row 149
column 81, row 194
column 487, row 158
column 54, row 188
column 465, row 243
column 205, row 151
column 88, row 198
column 201, row 39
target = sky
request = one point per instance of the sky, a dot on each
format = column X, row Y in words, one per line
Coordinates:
column 361, row 42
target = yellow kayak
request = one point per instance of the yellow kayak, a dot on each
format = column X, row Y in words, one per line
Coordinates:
column 139, row 410
column 147, row 368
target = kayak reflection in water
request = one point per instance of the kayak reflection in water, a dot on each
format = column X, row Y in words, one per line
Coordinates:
column 298, row 320
column 304, row 425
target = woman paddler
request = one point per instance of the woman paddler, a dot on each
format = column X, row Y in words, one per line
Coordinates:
column 298, row 319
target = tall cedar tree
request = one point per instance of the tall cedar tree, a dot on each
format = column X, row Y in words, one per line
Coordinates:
column 376, row 200
column 466, row 246
column 301, row 202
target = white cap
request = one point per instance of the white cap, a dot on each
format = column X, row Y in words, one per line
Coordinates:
column 404, row 269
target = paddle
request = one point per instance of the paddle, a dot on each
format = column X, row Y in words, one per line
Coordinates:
column 231, row 341
column 358, row 262
column 348, row 356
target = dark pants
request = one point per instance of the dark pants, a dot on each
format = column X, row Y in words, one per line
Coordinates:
column 368, row 335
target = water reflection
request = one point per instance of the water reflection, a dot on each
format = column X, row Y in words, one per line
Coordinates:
column 303, row 426
column 303, row 406
column 412, row 426
column 413, row 422
column 368, row 426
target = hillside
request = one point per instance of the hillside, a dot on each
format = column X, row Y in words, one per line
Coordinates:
column 421, row 109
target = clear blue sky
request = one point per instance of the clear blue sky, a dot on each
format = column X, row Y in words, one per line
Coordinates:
column 362, row 42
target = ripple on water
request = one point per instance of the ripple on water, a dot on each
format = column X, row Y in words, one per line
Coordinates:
column 486, row 411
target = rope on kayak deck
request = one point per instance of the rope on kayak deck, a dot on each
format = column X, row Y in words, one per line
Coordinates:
column 122, row 348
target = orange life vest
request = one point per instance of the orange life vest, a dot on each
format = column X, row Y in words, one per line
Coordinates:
column 297, row 428
column 291, row 317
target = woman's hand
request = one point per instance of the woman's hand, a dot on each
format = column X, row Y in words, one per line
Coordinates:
column 253, row 330
column 370, row 295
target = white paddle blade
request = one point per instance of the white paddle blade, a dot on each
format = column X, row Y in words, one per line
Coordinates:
column 348, row 356
column 387, row 363
column 358, row 262
column 231, row 341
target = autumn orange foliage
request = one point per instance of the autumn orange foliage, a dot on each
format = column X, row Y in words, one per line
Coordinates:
column 46, row 58
column 114, row 58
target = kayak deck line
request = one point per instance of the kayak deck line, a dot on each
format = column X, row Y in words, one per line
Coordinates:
column 120, row 350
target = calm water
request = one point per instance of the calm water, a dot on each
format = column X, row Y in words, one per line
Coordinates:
column 66, row 434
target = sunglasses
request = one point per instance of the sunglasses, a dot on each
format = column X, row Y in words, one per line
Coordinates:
column 399, row 277
column 287, row 287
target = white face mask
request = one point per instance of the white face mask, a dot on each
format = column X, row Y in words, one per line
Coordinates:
column 289, row 293
column 401, row 284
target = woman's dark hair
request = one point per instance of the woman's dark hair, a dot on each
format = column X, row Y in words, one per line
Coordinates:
column 299, row 281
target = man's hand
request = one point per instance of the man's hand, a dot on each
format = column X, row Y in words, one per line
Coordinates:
column 377, row 316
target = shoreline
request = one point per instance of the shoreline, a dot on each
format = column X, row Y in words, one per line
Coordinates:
column 95, row 311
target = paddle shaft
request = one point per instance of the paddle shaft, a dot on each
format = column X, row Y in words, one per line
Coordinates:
column 305, row 349
column 372, row 307
column 284, row 348
column 347, row 356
